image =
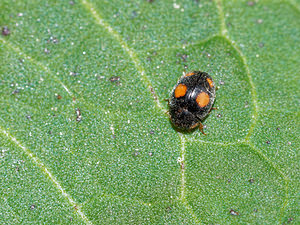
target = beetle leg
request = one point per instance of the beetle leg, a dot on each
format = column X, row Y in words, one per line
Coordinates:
column 213, row 108
column 201, row 128
column 168, row 113
column 200, row 125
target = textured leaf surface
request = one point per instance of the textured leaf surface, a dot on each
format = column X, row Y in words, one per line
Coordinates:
column 84, row 134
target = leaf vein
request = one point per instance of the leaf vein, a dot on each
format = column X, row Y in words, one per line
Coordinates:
column 127, row 49
column 255, row 114
column 225, row 35
column 47, row 172
column 278, row 170
column 190, row 210
column 45, row 68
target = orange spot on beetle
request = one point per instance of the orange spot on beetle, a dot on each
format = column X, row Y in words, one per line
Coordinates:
column 210, row 82
column 189, row 74
column 202, row 99
column 180, row 90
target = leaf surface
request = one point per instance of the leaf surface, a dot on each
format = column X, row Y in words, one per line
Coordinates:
column 84, row 133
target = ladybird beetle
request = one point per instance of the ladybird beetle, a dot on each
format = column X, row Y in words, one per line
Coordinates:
column 191, row 100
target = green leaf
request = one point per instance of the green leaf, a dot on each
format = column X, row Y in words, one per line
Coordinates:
column 84, row 133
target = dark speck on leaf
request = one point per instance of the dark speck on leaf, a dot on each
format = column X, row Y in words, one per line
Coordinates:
column 134, row 14
column 268, row 142
column 168, row 209
column 219, row 115
column 182, row 165
column 233, row 212
column 151, row 132
column 150, row 153
column 229, row 180
column 17, row 91
column 290, row 219
column 21, row 60
column 183, row 57
column 150, row 1
column 5, row 31
column 277, row 128
column 32, row 207
column 251, row 180
column 115, row 79
column 261, row 44
column 255, row 210
column 153, row 93
column 58, row 97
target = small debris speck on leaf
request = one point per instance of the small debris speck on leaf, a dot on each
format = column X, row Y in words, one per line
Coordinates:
column 259, row 21
column 251, row 180
column 46, row 50
column 168, row 209
column 32, row 207
column 233, row 212
column 5, row 31
column 78, row 115
column 16, row 91
column 261, row 45
column 115, row 79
